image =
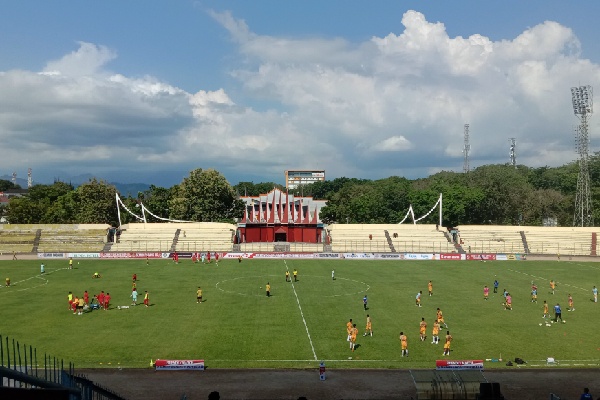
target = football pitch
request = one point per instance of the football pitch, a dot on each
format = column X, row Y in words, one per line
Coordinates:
column 303, row 322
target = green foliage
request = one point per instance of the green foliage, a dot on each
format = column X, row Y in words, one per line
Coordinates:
column 237, row 325
column 255, row 189
column 4, row 185
column 205, row 196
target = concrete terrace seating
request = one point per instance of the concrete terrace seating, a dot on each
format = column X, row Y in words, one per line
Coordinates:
column 193, row 237
column 72, row 238
column 412, row 238
column 17, row 238
column 491, row 238
column 559, row 240
column 206, row 236
column 145, row 237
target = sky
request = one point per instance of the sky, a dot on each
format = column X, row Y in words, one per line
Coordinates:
column 148, row 90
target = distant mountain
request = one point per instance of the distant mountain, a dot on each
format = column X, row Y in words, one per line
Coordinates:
column 130, row 189
column 125, row 189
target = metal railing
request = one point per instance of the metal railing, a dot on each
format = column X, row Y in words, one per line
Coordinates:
column 22, row 368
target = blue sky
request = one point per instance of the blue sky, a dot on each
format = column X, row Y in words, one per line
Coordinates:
column 147, row 90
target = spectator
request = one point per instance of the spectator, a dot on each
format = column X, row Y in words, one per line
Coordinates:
column 586, row 395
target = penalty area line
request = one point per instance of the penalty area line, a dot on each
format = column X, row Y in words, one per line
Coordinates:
column 539, row 277
column 302, row 315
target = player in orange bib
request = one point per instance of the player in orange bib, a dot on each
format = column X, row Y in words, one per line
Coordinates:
column 546, row 314
column 404, row 344
column 571, row 308
column 423, row 329
column 435, row 332
column 353, row 334
column 430, row 288
column 447, row 344
column 440, row 318
column 552, row 286
column 349, row 332
column 368, row 329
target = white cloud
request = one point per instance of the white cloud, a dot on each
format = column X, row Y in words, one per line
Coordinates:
column 308, row 103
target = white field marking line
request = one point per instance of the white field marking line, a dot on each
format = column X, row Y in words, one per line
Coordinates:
column 40, row 276
column 315, row 276
column 539, row 277
column 302, row 314
column 587, row 266
column 241, row 277
column 293, row 361
column 346, row 279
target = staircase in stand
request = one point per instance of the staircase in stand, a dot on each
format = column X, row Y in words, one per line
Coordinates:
column 389, row 240
column 107, row 247
column 524, row 239
column 175, row 240
column 36, row 241
column 456, row 245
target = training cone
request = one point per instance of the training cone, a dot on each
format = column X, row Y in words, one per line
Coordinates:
column 151, row 363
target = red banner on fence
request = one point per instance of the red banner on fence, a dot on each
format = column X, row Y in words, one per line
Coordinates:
column 459, row 364
column 179, row 365
column 450, row 256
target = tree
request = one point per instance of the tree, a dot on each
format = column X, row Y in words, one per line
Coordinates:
column 205, row 195
column 97, row 203
column 4, row 185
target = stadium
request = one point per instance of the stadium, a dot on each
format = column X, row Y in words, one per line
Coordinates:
column 235, row 338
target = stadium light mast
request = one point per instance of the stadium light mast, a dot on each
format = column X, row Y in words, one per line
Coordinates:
column 583, row 102
column 29, row 179
column 14, row 178
column 513, row 154
column 466, row 150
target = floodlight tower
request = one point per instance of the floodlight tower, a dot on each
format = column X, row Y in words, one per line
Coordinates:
column 513, row 154
column 14, row 178
column 29, row 179
column 583, row 101
column 466, row 149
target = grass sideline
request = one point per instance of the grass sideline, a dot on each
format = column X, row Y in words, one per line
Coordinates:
column 237, row 326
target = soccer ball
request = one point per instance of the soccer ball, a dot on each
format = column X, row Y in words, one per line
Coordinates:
column 540, row 324
column 564, row 322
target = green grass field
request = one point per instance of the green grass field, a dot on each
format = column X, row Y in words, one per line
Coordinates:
column 303, row 323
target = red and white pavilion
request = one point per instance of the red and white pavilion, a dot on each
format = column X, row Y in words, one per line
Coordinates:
column 281, row 217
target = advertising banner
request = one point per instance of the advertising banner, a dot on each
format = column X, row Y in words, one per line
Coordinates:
column 171, row 365
column 451, row 256
column 459, row 364
column 359, row 255
column 390, row 256
column 134, row 254
column 419, row 256
column 481, row 257
column 51, row 255
column 283, row 255
column 327, row 255
column 84, row 255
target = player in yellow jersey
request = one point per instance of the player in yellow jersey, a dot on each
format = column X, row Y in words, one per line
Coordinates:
column 423, row 329
column 546, row 314
column 349, row 331
column 7, row 282
column 268, row 289
column 430, row 288
column 571, row 307
column 287, row 276
column 447, row 344
column 404, row 344
column 199, row 295
column 368, row 329
column 440, row 318
column 552, row 286
column 435, row 332
column 353, row 334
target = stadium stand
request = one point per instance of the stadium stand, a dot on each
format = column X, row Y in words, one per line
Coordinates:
column 491, row 239
column 71, row 238
column 560, row 240
column 182, row 237
column 17, row 238
column 400, row 238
